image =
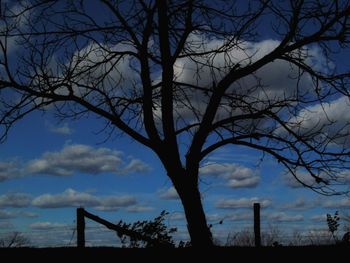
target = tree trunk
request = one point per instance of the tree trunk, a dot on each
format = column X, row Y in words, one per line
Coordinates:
column 196, row 221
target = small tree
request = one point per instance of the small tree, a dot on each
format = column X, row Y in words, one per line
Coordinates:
column 333, row 224
column 154, row 229
column 243, row 238
column 14, row 239
column 273, row 235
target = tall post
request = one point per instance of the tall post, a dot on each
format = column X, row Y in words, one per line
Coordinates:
column 257, row 224
column 80, row 227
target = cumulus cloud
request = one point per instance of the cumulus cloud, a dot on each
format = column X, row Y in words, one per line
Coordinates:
column 236, row 175
column 84, row 159
column 343, row 177
column 9, row 170
column 244, row 216
column 340, row 203
column 275, row 81
column 300, row 204
column 302, row 176
column 136, row 165
column 115, row 202
column 241, row 216
column 6, row 224
column 283, row 217
column 319, row 218
column 214, row 217
column 97, row 65
column 15, row 200
column 28, row 214
column 13, row 10
column 246, row 182
column 169, row 194
column 46, row 226
column 69, row 198
column 64, row 129
column 331, row 118
column 139, row 208
column 7, row 214
column 75, row 158
column 72, row 198
column 242, row 202
column 177, row 216
column 279, row 75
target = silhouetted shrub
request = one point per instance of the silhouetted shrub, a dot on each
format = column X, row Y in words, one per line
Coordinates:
column 333, row 224
column 154, row 229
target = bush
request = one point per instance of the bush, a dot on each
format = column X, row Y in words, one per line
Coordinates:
column 154, row 229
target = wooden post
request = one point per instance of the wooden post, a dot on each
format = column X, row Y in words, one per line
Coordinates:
column 257, row 224
column 80, row 227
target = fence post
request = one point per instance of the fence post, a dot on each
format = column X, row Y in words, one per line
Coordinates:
column 80, row 227
column 257, row 224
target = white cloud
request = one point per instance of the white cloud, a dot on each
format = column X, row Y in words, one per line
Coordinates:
column 6, row 224
column 7, row 214
column 97, row 65
column 302, row 176
column 300, row 204
column 84, row 159
column 46, row 226
column 214, row 217
column 177, row 216
column 15, row 200
column 136, row 165
column 72, row 159
column 331, row 118
column 319, row 218
column 72, row 198
column 4, row 214
column 64, row 129
column 343, row 177
column 9, row 170
column 169, row 194
column 247, row 182
column 273, row 82
column 69, row 198
column 16, row 23
column 236, row 175
column 240, row 216
column 283, row 217
column 139, row 209
column 115, row 202
column 340, row 203
column 28, row 214
column 242, row 202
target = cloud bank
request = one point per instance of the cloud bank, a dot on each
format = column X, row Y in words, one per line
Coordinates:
column 76, row 158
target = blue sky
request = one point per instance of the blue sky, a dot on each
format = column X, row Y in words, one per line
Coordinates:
column 36, row 203
column 49, row 167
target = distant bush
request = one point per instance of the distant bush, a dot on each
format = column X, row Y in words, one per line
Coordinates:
column 154, row 229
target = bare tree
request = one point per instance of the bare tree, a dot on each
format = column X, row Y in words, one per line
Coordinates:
column 14, row 239
column 243, row 238
column 260, row 74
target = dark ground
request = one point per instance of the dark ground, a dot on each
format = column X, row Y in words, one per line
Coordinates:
column 215, row 255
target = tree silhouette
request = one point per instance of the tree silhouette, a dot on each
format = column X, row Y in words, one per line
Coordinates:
column 154, row 229
column 196, row 74
column 333, row 224
column 14, row 239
